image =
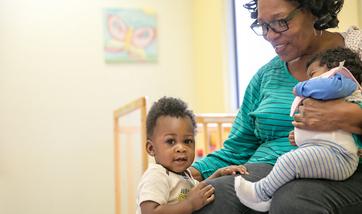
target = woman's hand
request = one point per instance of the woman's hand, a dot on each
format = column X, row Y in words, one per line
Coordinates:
column 195, row 173
column 230, row 170
column 329, row 116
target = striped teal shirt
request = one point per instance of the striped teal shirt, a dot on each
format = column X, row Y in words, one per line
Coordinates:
column 261, row 128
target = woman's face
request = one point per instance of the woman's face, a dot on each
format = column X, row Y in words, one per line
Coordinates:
column 298, row 39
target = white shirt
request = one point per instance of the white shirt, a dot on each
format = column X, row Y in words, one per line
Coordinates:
column 163, row 186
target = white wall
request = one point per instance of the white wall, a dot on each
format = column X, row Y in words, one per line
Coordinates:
column 57, row 99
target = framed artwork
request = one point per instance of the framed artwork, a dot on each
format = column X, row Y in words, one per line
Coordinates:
column 130, row 35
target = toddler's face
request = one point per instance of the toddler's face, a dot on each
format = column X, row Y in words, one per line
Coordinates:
column 173, row 143
column 315, row 69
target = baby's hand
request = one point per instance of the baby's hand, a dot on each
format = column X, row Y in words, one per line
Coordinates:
column 292, row 138
column 230, row 170
column 200, row 195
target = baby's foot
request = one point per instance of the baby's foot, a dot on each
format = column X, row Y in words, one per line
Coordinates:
column 245, row 190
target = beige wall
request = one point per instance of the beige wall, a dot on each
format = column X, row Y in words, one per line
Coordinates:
column 349, row 15
column 208, row 43
column 57, row 94
column 359, row 11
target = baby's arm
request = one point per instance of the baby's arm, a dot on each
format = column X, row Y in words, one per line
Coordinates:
column 198, row 197
column 333, row 87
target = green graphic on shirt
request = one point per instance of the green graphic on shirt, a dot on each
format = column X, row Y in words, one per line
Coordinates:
column 183, row 194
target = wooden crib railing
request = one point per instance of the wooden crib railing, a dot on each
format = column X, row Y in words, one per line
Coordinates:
column 213, row 129
column 127, row 133
column 130, row 140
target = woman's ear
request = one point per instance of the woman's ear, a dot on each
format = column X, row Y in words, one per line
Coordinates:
column 150, row 148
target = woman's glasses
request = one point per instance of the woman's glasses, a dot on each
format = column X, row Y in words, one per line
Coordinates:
column 278, row 26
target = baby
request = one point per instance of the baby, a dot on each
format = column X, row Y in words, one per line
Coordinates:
column 320, row 155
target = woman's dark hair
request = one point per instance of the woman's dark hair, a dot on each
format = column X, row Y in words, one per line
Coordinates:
column 332, row 57
column 168, row 106
column 325, row 10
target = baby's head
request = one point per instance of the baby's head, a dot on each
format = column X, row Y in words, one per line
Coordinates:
column 322, row 62
column 171, row 129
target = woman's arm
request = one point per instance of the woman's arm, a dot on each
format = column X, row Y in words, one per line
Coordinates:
column 238, row 148
column 329, row 116
column 241, row 143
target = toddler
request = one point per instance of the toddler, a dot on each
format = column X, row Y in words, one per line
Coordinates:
column 167, row 186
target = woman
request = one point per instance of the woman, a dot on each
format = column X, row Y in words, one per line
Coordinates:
column 297, row 30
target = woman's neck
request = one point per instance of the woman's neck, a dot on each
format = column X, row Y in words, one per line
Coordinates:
column 297, row 68
column 327, row 40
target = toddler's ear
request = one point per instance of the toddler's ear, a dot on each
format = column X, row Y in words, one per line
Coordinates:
column 150, row 148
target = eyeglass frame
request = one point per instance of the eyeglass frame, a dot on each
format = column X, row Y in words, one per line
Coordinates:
column 284, row 22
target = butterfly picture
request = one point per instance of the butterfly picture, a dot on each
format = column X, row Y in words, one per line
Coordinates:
column 130, row 35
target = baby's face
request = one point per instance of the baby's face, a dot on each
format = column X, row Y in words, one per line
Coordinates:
column 173, row 143
column 315, row 69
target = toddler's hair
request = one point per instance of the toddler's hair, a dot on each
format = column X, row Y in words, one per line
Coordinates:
column 168, row 106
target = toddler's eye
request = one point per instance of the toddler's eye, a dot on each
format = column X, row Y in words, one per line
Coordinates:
column 189, row 141
column 170, row 141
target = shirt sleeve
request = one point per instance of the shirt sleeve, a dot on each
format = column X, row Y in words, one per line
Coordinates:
column 242, row 142
column 334, row 87
column 154, row 186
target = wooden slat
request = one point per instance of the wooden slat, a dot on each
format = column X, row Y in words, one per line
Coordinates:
column 117, row 165
column 206, row 138
column 144, row 136
column 131, row 196
column 220, row 133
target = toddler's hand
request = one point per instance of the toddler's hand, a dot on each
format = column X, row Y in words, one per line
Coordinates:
column 201, row 195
